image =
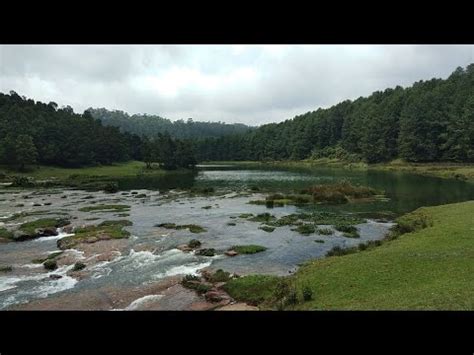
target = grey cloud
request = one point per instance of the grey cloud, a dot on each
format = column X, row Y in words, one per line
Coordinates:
column 210, row 82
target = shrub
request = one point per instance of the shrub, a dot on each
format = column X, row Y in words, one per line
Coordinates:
column 248, row 249
column 194, row 243
column 307, row 293
column 206, row 252
column 78, row 266
column 50, row 264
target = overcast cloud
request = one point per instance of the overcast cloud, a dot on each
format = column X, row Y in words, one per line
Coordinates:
column 232, row 83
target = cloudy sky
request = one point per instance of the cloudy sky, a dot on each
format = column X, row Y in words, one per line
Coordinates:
column 231, row 83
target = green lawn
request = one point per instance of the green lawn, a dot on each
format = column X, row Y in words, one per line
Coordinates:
column 430, row 269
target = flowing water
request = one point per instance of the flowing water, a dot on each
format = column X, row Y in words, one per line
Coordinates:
column 150, row 254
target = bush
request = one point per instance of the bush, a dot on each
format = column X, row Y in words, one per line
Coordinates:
column 206, row 252
column 194, row 243
column 307, row 293
column 50, row 264
column 78, row 266
column 248, row 249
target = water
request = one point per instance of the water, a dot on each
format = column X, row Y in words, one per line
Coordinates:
column 150, row 254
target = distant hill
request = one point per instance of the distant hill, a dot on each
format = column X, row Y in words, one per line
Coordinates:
column 150, row 125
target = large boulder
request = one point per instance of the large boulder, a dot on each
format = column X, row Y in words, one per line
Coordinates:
column 45, row 232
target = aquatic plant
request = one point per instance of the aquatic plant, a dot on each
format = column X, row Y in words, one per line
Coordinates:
column 262, row 217
column 206, row 252
column 267, row 228
column 114, row 208
column 305, row 229
column 248, row 249
column 78, row 266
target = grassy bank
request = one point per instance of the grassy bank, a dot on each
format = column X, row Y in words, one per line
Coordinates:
column 430, row 268
column 131, row 168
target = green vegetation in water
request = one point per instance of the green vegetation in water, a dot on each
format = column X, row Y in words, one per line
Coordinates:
column 337, row 193
column 78, row 266
column 267, row 228
column 50, row 264
column 206, row 207
column 348, row 230
column 305, row 229
column 92, row 234
column 231, row 224
column 51, row 256
column 193, row 228
column 194, row 243
column 5, row 233
column 5, row 268
column 325, row 231
column 248, row 249
column 262, row 217
column 319, row 241
column 206, row 252
column 30, row 227
column 105, row 208
column 116, row 223
column 246, row 215
column 425, row 269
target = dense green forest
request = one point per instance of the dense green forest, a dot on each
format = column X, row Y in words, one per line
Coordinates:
column 38, row 133
column 430, row 121
column 150, row 125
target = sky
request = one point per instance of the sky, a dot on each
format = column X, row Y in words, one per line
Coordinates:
column 251, row 84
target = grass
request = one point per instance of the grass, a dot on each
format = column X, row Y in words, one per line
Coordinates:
column 108, row 208
column 305, row 229
column 253, row 289
column 427, row 269
column 5, row 233
column 248, row 249
column 91, row 234
column 131, row 168
column 30, row 227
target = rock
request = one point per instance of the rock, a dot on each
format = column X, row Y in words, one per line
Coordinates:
column 46, row 232
column 55, row 276
column 231, row 253
column 184, row 247
column 50, row 264
column 206, row 252
column 104, row 237
column 91, row 240
column 68, row 229
column 216, row 296
column 219, row 284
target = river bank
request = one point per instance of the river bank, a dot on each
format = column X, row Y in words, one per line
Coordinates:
column 429, row 268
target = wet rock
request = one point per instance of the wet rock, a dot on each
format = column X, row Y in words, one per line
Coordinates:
column 68, row 229
column 206, row 252
column 215, row 296
column 184, row 247
column 46, row 232
column 50, row 264
column 231, row 253
column 55, row 276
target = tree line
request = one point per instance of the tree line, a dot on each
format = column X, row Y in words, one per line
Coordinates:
column 38, row 133
column 430, row 121
column 152, row 125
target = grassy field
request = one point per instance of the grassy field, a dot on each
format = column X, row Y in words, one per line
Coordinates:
column 131, row 168
column 429, row 269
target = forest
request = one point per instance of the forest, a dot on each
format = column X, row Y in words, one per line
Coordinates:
column 151, row 125
column 33, row 133
column 430, row 121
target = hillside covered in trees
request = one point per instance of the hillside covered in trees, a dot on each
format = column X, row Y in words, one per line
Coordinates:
column 430, row 121
column 151, row 125
column 38, row 133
